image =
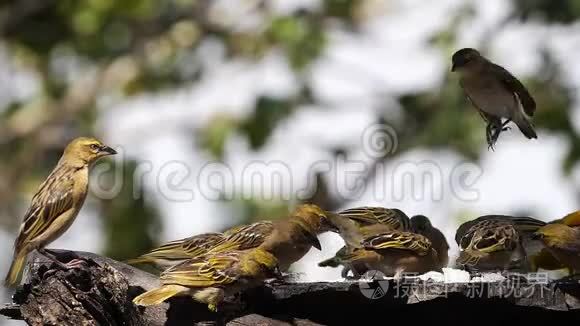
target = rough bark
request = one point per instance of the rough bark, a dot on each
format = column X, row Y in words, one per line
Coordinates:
column 100, row 293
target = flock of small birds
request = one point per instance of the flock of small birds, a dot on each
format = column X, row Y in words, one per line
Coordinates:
column 211, row 266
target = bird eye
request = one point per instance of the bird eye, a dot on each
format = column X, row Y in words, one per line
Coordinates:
column 95, row 147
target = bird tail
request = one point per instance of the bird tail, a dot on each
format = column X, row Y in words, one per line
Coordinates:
column 157, row 296
column 138, row 260
column 526, row 128
column 15, row 268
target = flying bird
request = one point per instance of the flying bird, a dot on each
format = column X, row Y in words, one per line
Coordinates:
column 495, row 93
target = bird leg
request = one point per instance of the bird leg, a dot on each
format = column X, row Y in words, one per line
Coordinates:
column 52, row 257
column 503, row 126
column 73, row 263
column 493, row 130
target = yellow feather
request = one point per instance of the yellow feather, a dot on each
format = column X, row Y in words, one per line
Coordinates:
column 157, row 296
column 15, row 268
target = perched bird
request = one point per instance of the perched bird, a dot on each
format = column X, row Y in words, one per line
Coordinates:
column 175, row 252
column 57, row 202
column 178, row 251
column 422, row 225
column 392, row 253
column 291, row 238
column 245, row 236
column 495, row 93
column 524, row 224
column 300, row 228
column 356, row 224
column 544, row 259
column 563, row 242
column 491, row 245
column 210, row 278
column 388, row 241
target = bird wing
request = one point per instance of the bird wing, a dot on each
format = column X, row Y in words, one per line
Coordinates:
column 491, row 236
column 245, row 236
column 188, row 247
column 205, row 270
column 521, row 223
column 398, row 240
column 54, row 197
column 484, row 115
column 516, row 87
column 394, row 218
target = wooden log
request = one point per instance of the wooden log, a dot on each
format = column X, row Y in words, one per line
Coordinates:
column 101, row 293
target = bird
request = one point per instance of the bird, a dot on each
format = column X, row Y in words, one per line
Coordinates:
column 356, row 224
column 178, row 251
column 422, row 225
column 211, row 277
column 495, row 93
column 302, row 226
column 56, row 203
column 524, row 224
column 491, row 245
column 292, row 237
column 174, row 252
column 544, row 258
column 393, row 253
column 563, row 242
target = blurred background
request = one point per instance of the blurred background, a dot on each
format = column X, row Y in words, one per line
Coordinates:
column 176, row 85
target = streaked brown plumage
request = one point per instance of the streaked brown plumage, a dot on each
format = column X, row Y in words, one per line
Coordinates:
column 492, row 245
column 57, row 202
column 411, row 248
column 563, row 242
column 394, row 253
column 178, row 251
column 238, row 238
column 495, row 93
column 356, row 224
column 210, row 278
column 301, row 227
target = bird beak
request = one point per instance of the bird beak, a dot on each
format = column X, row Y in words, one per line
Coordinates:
column 327, row 226
column 313, row 240
column 106, row 150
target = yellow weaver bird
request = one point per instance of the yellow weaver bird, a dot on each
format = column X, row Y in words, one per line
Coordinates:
column 210, row 278
column 393, row 252
column 57, row 202
column 563, row 242
column 175, row 252
column 491, row 245
column 299, row 230
column 292, row 237
column 178, row 251
column 356, row 224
